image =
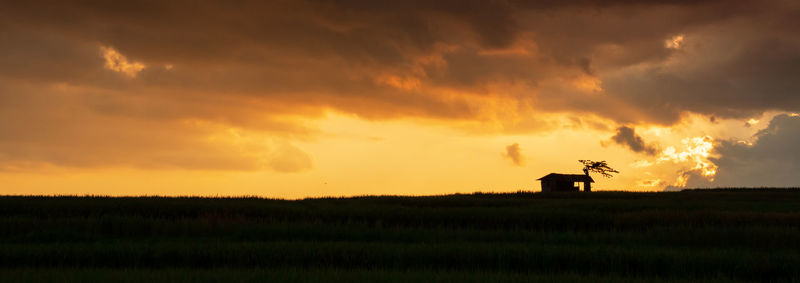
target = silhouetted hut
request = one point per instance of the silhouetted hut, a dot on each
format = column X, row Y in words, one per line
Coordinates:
column 566, row 182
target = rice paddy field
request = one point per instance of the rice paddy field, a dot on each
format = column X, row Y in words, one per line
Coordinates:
column 732, row 235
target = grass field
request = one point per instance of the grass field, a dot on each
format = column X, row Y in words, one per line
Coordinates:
column 708, row 235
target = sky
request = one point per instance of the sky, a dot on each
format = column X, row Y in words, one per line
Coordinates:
column 294, row 99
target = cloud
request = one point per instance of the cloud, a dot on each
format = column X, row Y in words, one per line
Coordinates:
column 455, row 57
column 737, row 68
column 289, row 158
column 514, row 154
column 261, row 67
column 695, row 157
column 119, row 63
column 674, row 42
column 649, row 183
column 772, row 160
column 81, row 128
column 627, row 137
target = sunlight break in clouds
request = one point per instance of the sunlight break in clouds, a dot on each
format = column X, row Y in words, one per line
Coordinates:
column 119, row 63
column 675, row 42
column 751, row 122
column 696, row 153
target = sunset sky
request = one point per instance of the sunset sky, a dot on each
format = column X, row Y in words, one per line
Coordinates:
column 296, row 99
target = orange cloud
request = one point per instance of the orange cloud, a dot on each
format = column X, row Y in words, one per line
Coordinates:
column 270, row 69
column 118, row 63
column 84, row 128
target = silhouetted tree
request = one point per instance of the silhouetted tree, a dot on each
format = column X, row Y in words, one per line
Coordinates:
column 597, row 167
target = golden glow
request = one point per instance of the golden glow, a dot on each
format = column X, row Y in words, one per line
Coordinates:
column 675, row 42
column 696, row 152
column 119, row 63
column 681, row 181
column 353, row 156
column 642, row 164
column 338, row 98
column 649, row 183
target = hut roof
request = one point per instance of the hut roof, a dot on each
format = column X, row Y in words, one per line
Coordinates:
column 568, row 177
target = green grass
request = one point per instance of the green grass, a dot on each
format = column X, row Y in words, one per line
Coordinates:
column 710, row 235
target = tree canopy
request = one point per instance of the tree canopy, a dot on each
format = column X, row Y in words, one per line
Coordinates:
column 597, row 167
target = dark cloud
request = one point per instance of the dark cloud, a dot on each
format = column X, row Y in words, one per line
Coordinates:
column 273, row 50
column 737, row 67
column 627, row 137
column 250, row 64
column 773, row 160
column 514, row 154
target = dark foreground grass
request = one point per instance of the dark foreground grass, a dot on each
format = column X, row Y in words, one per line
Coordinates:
column 310, row 275
column 720, row 235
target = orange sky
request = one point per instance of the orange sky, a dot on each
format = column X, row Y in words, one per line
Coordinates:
column 294, row 99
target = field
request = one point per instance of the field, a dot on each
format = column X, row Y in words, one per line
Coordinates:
column 703, row 235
